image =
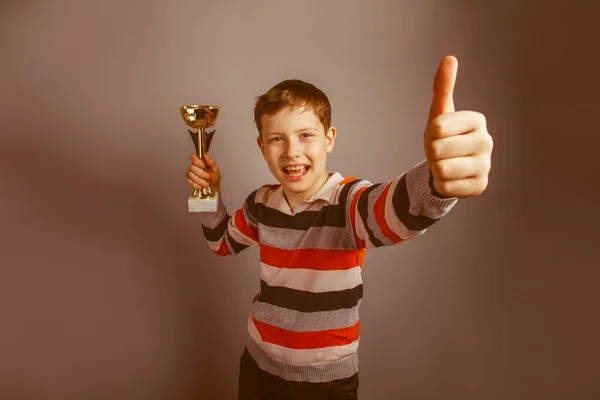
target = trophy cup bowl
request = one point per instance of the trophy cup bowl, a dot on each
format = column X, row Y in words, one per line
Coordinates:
column 200, row 118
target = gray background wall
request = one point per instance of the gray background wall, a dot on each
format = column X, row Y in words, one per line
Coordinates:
column 107, row 290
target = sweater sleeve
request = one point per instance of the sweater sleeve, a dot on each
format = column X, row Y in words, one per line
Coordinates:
column 229, row 235
column 384, row 214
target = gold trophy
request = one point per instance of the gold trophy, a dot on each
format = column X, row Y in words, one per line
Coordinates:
column 200, row 118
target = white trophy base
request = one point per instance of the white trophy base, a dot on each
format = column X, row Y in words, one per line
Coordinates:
column 203, row 205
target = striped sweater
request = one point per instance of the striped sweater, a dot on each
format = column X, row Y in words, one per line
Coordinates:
column 304, row 325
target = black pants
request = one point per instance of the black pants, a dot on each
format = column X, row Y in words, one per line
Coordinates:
column 256, row 384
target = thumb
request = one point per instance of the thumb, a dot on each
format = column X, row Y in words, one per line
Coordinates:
column 211, row 165
column 443, row 87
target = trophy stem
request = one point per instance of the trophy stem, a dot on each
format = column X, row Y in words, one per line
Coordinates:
column 201, row 150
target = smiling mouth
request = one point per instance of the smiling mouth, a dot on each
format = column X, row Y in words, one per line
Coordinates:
column 296, row 170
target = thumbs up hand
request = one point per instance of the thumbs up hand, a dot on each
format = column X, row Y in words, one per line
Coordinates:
column 457, row 144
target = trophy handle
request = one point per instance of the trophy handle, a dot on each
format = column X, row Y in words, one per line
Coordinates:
column 194, row 136
column 201, row 143
column 209, row 136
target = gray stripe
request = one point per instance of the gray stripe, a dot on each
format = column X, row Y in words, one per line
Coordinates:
column 322, row 372
column 305, row 322
column 317, row 237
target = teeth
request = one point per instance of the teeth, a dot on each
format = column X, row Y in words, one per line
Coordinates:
column 295, row 168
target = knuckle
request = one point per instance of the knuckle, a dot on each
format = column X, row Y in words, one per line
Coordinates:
column 480, row 118
column 437, row 127
column 487, row 166
column 477, row 186
column 437, row 149
column 483, row 141
column 445, row 187
column 442, row 169
column 489, row 142
column 482, row 183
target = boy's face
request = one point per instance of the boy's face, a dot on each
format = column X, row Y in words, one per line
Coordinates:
column 294, row 137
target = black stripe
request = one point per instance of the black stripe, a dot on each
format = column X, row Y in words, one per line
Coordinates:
column 250, row 204
column 303, row 301
column 235, row 246
column 215, row 234
column 363, row 210
column 333, row 215
column 346, row 191
column 401, row 203
column 302, row 221
column 329, row 215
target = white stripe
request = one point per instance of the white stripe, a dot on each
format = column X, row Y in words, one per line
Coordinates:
column 311, row 280
column 301, row 356
column 263, row 195
column 390, row 214
column 214, row 246
column 237, row 235
column 273, row 198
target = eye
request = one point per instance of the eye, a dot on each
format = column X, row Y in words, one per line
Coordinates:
column 275, row 139
column 307, row 134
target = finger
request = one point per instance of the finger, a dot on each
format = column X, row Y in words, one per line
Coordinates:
column 443, row 87
column 458, row 168
column 195, row 171
column 194, row 157
column 457, row 146
column 455, row 123
column 196, row 185
column 198, row 162
column 463, row 188
column 210, row 163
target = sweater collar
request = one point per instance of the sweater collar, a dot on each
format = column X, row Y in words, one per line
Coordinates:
column 324, row 193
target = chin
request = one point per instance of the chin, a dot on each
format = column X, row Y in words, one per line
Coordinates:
column 299, row 186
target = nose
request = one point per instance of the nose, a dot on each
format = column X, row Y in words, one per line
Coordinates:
column 293, row 149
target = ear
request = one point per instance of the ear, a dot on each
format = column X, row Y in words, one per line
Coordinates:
column 330, row 139
column 260, row 144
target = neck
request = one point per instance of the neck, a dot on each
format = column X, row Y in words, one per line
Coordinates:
column 293, row 199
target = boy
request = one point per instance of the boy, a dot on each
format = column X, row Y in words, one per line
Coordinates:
column 313, row 229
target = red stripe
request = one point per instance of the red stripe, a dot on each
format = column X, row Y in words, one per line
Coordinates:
column 243, row 227
column 348, row 180
column 353, row 211
column 307, row 340
column 361, row 257
column 318, row 259
column 379, row 210
column 222, row 250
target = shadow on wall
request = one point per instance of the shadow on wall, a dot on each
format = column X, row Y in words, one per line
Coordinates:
column 103, row 292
